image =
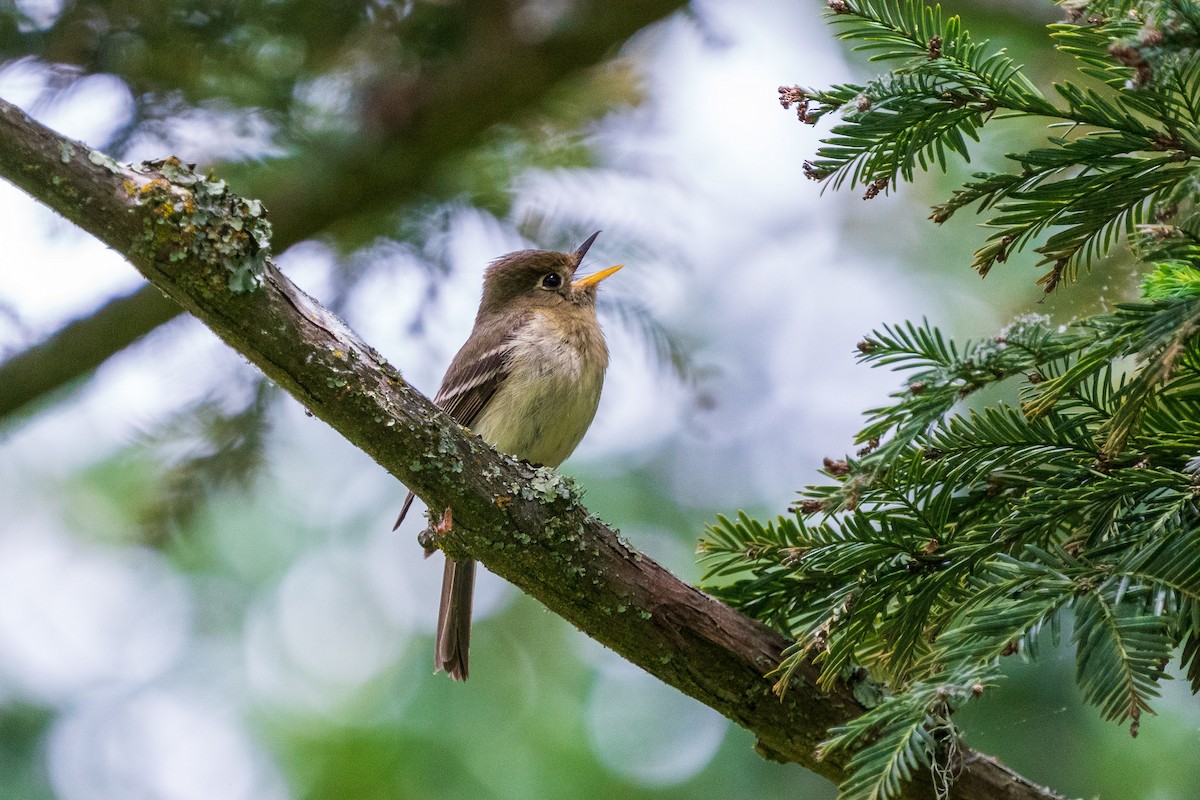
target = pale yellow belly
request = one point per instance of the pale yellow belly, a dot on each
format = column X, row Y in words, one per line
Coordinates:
column 545, row 405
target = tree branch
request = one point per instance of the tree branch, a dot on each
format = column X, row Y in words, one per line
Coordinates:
column 427, row 128
column 203, row 246
column 81, row 346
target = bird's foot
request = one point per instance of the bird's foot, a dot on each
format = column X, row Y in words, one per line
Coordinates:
column 428, row 537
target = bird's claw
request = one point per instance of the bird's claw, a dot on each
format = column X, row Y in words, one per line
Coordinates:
column 428, row 538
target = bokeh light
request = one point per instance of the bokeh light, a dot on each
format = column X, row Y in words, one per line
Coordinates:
column 650, row 732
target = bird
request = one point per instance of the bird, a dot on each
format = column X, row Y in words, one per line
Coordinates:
column 528, row 381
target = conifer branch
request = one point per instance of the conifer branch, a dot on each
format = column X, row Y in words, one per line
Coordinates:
column 956, row 537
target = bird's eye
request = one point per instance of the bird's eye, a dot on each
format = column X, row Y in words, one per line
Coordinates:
column 552, row 280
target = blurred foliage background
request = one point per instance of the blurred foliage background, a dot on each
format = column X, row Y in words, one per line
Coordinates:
column 200, row 595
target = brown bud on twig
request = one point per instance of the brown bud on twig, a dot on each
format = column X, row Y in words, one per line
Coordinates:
column 815, row 173
column 1054, row 276
column 871, row 446
column 837, row 468
column 1167, row 141
column 789, row 95
column 1150, row 36
column 1002, row 251
column 877, row 186
column 1131, row 56
column 809, row 507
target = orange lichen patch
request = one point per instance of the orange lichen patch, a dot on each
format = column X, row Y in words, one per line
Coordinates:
column 154, row 185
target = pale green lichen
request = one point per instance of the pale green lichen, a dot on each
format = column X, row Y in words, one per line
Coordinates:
column 548, row 485
column 867, row 691
column 194, row 217
column 448, row 446
column 106, row 161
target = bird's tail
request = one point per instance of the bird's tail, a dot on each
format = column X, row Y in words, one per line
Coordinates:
column 454, row 619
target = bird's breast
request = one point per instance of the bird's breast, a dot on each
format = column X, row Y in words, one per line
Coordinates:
column 545, row 405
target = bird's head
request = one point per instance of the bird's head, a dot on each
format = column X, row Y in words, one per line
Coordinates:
column 540, row 279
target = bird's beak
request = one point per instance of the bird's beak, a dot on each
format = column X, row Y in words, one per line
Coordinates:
column 581, row 251
column 594, row 278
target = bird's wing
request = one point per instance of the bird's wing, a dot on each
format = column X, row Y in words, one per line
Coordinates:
column 473, row 377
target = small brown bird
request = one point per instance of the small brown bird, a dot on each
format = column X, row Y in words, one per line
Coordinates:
column 528, row 382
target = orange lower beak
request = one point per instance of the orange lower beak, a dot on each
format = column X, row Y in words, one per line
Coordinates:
column 594, row 278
